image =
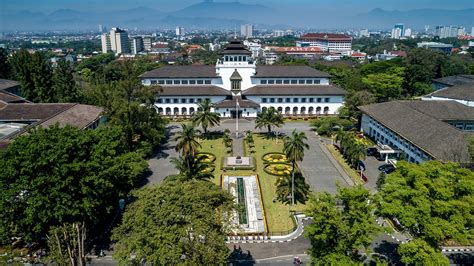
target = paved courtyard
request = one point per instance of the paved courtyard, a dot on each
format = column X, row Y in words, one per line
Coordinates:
column 321, row 171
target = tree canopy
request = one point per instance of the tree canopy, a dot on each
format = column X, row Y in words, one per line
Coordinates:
column 434, row 201
column 418, row 252
column 175, row 222
column 342, row 225
column 205, row 117
column 269, row 117
column 63, row 175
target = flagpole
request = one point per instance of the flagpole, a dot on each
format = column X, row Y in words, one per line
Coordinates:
column 237, row 117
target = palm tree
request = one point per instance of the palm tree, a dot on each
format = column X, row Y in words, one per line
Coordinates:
column 194, row 169
column 187, row 144
column 267, row 118
column 283, row 190
column 294, row 147
column 205, row 117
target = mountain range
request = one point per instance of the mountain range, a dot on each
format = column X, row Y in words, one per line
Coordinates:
column 228, row 15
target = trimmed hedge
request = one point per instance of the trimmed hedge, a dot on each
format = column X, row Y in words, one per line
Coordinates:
column 213, row 157
column 273, row 153
column 277, row 174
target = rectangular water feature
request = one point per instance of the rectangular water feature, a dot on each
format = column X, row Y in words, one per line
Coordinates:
column 250, row 216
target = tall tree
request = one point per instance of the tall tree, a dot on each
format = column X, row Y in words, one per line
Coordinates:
column 175, row 223
column 196, row 169
column 339, row 232
column 205, row 117
column 418, row 252
column 283, row 189
column 187, row 140
column 130, row 105
column 387, row 85
column 34, row 73
column 5, row 68
column 433, row 201
column 294, row 147
column 62, row 177
column 269, row 117
column 64, row 85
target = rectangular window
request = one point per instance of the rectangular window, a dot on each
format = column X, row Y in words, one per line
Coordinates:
column 309, row 81
column 192, row 82
column 303, row 100
column 280, row 100
column 161, row 81
column 209, row 99
column 301, row 81
column 175, row 100
column 287, row 100
column 286, row 81
column 184, row 82
column 176, row 82
column 295, row 100
column 317, row 81
column 294, row 81
column 311, row 100
column 191, row 100
column 183, row 100
column 264, row 100
column 160, row 100
column 207, row 81
column 319, row 100
column 169, row 82
column 199, row 100
column 167, row 100
column 326, row 100
column 263, row 81
column 272, row 100
column 200, row 81
column 271, row 81
column 153, row 82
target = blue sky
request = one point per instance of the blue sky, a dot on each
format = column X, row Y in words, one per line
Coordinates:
column 345, row 6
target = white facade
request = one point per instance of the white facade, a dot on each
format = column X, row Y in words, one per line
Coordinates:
column 180, row 31
column 239, row 64
column 384, row 135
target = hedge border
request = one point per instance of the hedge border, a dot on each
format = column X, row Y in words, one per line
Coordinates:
column 270, row 173
column 268, row 162
column 208, row 153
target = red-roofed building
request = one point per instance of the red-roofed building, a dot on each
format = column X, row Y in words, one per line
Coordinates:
column 328, row 42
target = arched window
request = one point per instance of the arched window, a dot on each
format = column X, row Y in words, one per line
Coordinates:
column 184, row 111
column 326, row 110
column 191, row 110
column 280, row 109
column 318, row 110
column 287, row 110
column 168, row 111
column 295, row 110
column 303, row 110
column 160, row 110
column 311, row 110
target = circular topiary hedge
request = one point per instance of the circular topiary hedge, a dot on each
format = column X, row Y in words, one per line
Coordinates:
column 274, row 157
column 208, row 157
column 278, row 169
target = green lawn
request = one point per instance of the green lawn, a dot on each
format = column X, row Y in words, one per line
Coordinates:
column 349, row 170
column 276, row 213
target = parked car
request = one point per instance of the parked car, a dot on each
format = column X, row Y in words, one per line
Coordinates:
column 389, row 169
column 372, row 151
column 383, row 166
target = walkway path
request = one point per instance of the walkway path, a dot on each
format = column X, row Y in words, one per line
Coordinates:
column 238, row 146
column 160, row 165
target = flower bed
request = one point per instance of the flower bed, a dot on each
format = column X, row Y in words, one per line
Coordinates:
column 208, row 157
column 278, row 169
column 274, row 157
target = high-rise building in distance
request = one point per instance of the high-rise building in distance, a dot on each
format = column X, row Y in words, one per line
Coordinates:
column 449, row 31
column 180, row 31
column 136, row 44
column 116, row 41
column 398, row 31
column 246, row 30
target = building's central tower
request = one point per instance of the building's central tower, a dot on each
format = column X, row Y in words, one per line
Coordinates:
column 235, row 57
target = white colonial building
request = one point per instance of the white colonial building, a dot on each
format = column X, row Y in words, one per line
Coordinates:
column 237, row 86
